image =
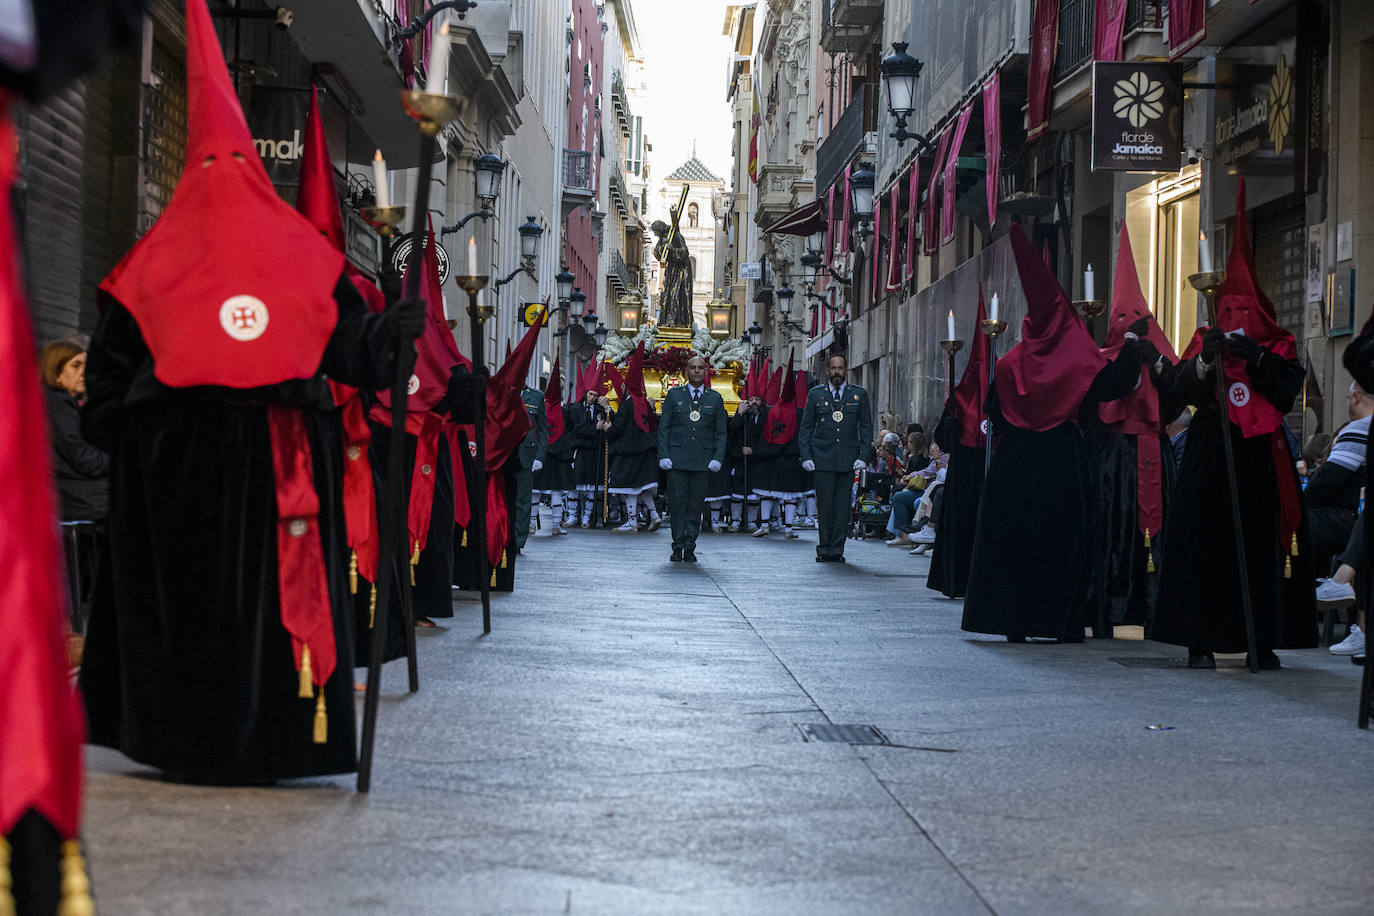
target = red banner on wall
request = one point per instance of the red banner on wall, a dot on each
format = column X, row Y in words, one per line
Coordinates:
column 1044, row 44
column 1109, row 29
column 947, row 220
column 895, row 243
column 873, row 256
column 992, row 138
column 929, row 225
column 912, row 215
column 1187, row 25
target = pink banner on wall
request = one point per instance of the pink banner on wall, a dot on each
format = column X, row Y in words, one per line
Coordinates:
column 896, row 245
column 829, row 253
column 1044, row 44
column 947, row 215
column 992, row 138
column 913, row 214
column 1109, row 29
column 1187, row 25
column 844, row 231
column 874, row 256
column 929, row 225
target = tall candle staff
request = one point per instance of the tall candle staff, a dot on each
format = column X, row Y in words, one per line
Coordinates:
column 993, row 327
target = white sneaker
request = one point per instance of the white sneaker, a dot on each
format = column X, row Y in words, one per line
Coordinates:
column 918, row 551
column 631, row 525
column 924, row 536
column 557, row 530
column 760, row 531
column 734, row 527
column 1331, row 593
column 789, row 534
column 654, row 521
column 1352, row 644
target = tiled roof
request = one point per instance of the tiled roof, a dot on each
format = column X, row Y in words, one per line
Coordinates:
column 692, row 170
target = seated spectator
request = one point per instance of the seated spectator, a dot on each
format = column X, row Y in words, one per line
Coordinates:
column 82, row 471
column 1332, row 494
column 1339, row 592
column 911, row 487
column 1313, row 455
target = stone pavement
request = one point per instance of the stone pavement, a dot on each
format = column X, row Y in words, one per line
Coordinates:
column 630, row 739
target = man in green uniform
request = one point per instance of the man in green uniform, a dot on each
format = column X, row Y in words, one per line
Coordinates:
column 528, row 459
column 835, row 429
column 691, row 447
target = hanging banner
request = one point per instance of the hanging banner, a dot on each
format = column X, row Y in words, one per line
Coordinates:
column 1187, row 25
column 1044, row 44
column 276, row 117
column 873, row 255
column 992, row 139
column 1109, row 29
column 895, row 244
column 929, row 226
column 947, row 214
column 912, row 215
column 1137, row 117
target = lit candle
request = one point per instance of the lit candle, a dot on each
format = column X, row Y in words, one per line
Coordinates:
column 437, row 68
column 951, row 325
column 992, row 315
column 379, row 179
column 1088, row 284
column 472, row 256
column 1204, row 255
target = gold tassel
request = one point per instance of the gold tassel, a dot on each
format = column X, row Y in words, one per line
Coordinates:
column 1288, row 561
column 465, row 538
column 1293, row 547
column 503, row 559
column 321, row 720
column 493, row 578
column 414, row 559
column 7, row 906
column 305, row 691
column 1149, row 554
column 353, row 573
column 76, row 887
column 372, row 608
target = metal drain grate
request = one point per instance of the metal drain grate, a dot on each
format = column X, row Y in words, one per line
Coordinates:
column 843, row 734
column 1150, row 661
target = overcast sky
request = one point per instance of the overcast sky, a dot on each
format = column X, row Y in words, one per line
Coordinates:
column 685, row 58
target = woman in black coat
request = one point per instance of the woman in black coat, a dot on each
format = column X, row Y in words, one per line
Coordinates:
column 82, row 471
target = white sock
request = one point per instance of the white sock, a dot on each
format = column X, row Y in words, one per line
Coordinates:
column 737, row 510
column 789, row 514
column 810, row 507
column 765, row 511
column 631, row 507
column 715, row 514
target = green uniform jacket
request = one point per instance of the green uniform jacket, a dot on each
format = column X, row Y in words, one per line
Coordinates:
column 692, row 444
column 536, row 441
column 835, row 446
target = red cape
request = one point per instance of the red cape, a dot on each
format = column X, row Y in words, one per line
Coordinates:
column 1042, row 380
column 553, row 401
column 252, row 313
column 970, row 394
column 781, row 425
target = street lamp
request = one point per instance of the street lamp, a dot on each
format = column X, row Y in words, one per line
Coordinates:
column 861, row 191
column 900, row 71
column 564, row 281
column 488, row 169
column 816, row 243
column 811, row 263
column 530, row 231
column 577, row 302
column 785, row 300
column 600, row 334
column 589, row 321
column 755, row 335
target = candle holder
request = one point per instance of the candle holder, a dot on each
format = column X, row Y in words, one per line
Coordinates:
column 951, row 346
column 470, row 285
column 1207, row 283
column 993, row 327
column 1090, row 308
column 383, row 219
column 431, row 109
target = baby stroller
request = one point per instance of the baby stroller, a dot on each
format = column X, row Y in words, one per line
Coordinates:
column 871, row 504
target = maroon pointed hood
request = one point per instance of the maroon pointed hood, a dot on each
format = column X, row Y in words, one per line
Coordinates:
column 972, row 391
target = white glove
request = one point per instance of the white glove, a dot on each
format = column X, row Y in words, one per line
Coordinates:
column 808, row 465
column 713, row 465
column 537, row 466
column 665, row 463
column 859, row 464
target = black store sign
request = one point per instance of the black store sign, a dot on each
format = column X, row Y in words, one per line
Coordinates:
column 1137, row 117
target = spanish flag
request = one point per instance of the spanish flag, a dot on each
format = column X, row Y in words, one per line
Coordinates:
column 754, row 121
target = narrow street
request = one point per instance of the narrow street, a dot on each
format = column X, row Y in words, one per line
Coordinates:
column 632, row 738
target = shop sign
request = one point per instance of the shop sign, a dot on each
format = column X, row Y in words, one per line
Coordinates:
column 400, row 258
column 276, row 117
column 1257, row 132
column 1137, row 119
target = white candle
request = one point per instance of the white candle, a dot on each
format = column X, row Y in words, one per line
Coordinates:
column 992, row 315
column 1204, row 255
column 436, row 69
column 1088, row 284
column 379, row 178
column 951, row 325
column 472, row 256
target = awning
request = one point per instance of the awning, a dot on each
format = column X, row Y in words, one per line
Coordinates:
column 818, row 344
column 803, row 221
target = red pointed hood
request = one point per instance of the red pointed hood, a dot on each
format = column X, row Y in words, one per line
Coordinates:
column 972, row 391
column 773, row 393
column 611, row 376
column 1042, row 380
column 799, row 390
column 1242, row 306
column 553, row 401
column 634, row 389
column 317, row 199
column 507, row 420
column 1128, row 304
column 781, row 426
column 257, row 312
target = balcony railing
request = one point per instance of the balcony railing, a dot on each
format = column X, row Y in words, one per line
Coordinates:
column 620, row 274
column 577, row 170
column 1076, row 30
column 845, row 138
column 839, row 36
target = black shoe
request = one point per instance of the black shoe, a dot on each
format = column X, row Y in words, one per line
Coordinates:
column 837, row 559
column 689, row 557
column 1201, row 660
column 1016, row 639
column 1357, row 660
column 676, row 557
column 1268, row 661
column 822, row 559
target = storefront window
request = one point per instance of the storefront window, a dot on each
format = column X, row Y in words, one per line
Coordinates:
column 1162, row 218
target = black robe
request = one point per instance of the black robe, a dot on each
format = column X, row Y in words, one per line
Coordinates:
column 1031, row 549
column 1198, row 605
column 634, row 453
column 187, row 665
column 589, row 459
column 958, row 513
column 556, row 476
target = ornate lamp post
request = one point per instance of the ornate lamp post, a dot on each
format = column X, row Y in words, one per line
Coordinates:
column 488, row 170
column 530, row 231
column 900, row 71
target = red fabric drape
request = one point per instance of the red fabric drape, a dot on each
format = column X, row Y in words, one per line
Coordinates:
column 1187, row 25
column 947, row 215
column 894, row 244
column 1109, row 29
column 992, row 138
column 913, row 214
column 930, row 227
column 1044, row 46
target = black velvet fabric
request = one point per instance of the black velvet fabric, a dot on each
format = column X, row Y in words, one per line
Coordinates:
column 187, row 665
column 35, row 865
column 1199, row 599
column 589, row 458
column 634, row 453
column 957, row 522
